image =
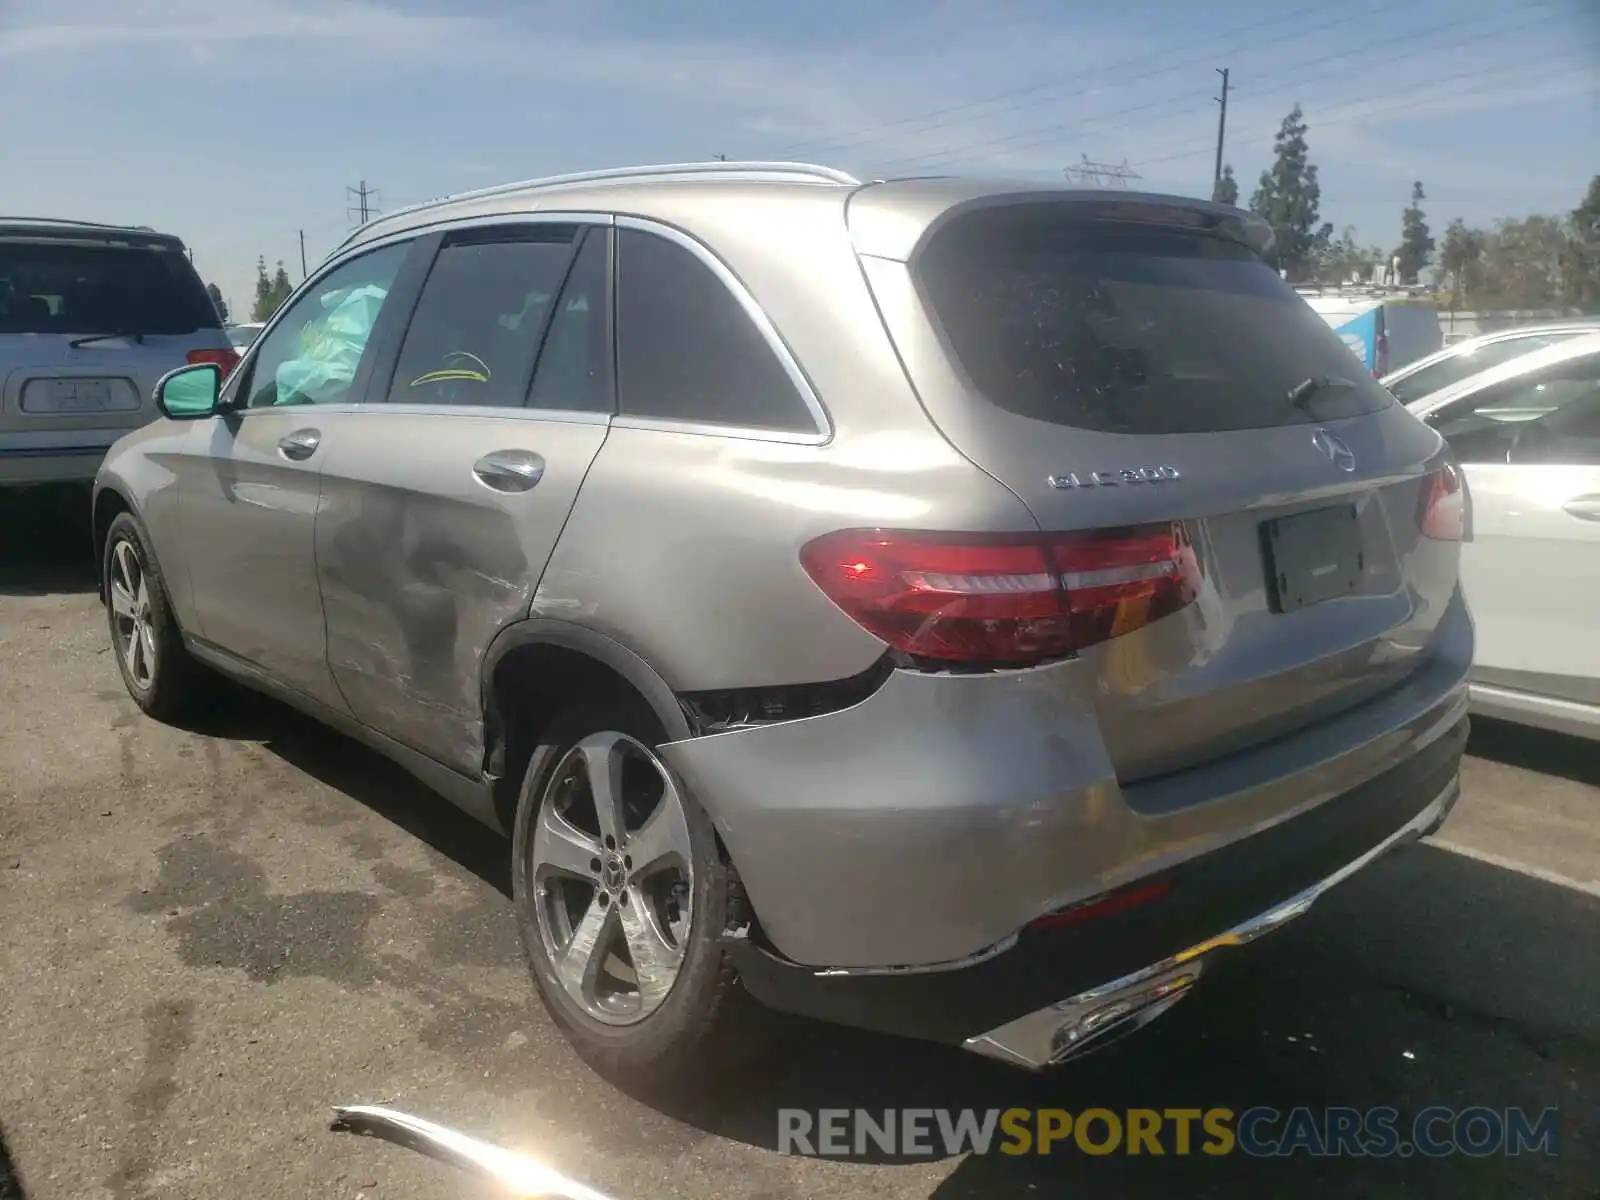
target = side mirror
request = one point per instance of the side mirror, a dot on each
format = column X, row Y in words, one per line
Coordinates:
column 189, row 393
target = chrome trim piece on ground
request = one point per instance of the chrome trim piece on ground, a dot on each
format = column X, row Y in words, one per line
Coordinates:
column 514, row 1174
column 1086, row 1021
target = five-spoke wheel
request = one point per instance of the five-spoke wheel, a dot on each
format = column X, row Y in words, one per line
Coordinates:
column 132, row 629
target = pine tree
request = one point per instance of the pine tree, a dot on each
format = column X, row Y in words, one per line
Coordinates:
column 265, row 304
column 218, row 302
column 281, row 287
column 1227, row 189
column 1288, row 198
column 1416, row 242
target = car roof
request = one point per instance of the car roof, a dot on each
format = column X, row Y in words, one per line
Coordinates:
column 1470, row 345
column 887, row 217
column 79, row 231
column 1550, row 356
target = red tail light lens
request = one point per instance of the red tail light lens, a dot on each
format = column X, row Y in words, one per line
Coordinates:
column 1442, row 513
column 225, row 359
column 1003, row 599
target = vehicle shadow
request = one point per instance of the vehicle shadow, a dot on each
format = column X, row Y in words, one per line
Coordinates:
column 1416, row 984
column 353, row 770
column 1537, row 750
column 45, row 544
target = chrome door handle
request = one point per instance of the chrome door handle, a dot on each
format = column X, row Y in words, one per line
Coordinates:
column 509, row 470
column 1585, row 508
column 300, row 445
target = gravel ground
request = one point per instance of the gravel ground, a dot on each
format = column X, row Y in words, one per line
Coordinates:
column 213, row 934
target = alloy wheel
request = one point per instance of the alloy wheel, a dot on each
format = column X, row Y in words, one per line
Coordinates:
column 613, row 877
column 132, row 624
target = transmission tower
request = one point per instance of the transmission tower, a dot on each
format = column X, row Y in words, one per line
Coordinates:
column 366, row 203
column 1102, row 175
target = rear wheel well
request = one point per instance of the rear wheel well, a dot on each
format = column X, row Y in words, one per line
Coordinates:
column 531, row 686
column 107, row 506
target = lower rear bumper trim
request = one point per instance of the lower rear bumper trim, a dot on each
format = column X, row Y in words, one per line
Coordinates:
column 1089, row 1019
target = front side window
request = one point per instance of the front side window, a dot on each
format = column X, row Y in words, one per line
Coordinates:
column 1450, row 371
column 1551, row 418
column 483, row 310
column 686, row 348
column 312, row 354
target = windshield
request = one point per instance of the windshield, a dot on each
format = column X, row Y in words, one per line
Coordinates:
column 59, row 287
column 1452, row 370
column 1130, row 328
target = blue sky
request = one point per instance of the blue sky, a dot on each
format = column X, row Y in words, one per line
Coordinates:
column 235, row 123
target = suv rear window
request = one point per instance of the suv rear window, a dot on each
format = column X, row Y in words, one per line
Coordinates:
column 1130, row 328
column 69, row 287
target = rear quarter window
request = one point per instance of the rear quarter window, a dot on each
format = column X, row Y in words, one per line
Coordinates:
column 53, row 286
column 1129, row 328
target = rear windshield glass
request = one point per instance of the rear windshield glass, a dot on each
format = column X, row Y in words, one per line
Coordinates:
column 1132, row 328
column 54, row 287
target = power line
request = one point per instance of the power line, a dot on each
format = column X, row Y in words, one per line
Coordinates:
column 898, row 127
column 1409, row 89
column 1040, row 135
column 1089, row 173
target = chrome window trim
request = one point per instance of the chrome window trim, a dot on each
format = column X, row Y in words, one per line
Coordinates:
column 555, row 416
column 823, row 425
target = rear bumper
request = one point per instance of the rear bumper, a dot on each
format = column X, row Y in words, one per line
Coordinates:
column 924, row 827
column 67, row 458
column 1057, row 992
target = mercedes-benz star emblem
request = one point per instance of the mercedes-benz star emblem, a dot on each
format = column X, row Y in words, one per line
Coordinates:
column 1334, row 450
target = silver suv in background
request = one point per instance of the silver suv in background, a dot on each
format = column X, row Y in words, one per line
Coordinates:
column 953, row 607
column 91, row 316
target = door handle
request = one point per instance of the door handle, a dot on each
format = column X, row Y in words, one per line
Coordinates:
column 1585, row 508
column 509, row 470
column 300, row 445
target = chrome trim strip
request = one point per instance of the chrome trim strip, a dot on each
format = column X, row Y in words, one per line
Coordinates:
column 791, row 366
column 1065, row 1030
column 513, row 1174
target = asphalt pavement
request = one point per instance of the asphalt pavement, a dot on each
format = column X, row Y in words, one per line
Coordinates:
column 213, row 934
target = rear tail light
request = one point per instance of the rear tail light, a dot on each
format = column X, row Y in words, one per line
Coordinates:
column 1442, row 512
column 227, row 360
column 1003, row 599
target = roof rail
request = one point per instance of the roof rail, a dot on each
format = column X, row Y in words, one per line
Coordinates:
column 768, row 171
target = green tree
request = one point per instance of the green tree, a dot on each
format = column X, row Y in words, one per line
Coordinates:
column 265, row 303
column 1288, row 198
column 1343, row 259
column 1523, row 263
column 1227, row 189
column 1416, row 241
column 1461, row 260
column 218, row 302
column 281, row 287
column 1582, row 270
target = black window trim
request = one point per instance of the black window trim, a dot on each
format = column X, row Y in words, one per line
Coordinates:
column 381, row 384
column 822, row 431
column 403, row 294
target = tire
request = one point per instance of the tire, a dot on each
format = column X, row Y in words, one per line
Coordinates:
column 706, row 1018
column 163, row 678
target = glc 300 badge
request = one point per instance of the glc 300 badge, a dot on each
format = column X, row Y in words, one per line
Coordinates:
column 1089, row 479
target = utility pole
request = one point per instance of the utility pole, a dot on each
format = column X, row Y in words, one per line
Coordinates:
column 303, row 271
column 365, row 207
column 1222, row 128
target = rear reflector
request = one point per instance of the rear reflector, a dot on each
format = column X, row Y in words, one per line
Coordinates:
column 1442, row 508
column 1105, row 906
column 226, row 359
column 1003, row 599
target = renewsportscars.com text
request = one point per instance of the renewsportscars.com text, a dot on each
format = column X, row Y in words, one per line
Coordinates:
column 1261, row 1132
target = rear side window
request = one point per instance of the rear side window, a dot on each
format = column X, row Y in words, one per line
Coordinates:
column 1453, row 370
column 49, row 286
column 686, row 348
column 1130, row 328
column 477, row 326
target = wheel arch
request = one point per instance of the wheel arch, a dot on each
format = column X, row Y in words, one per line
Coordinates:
column 109, row 502
column 536, row 667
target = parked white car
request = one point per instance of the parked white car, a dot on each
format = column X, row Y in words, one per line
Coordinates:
column 1465, row 357
column 1527, row 434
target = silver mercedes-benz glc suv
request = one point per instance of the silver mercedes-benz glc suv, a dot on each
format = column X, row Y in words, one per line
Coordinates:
column 956, row 608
